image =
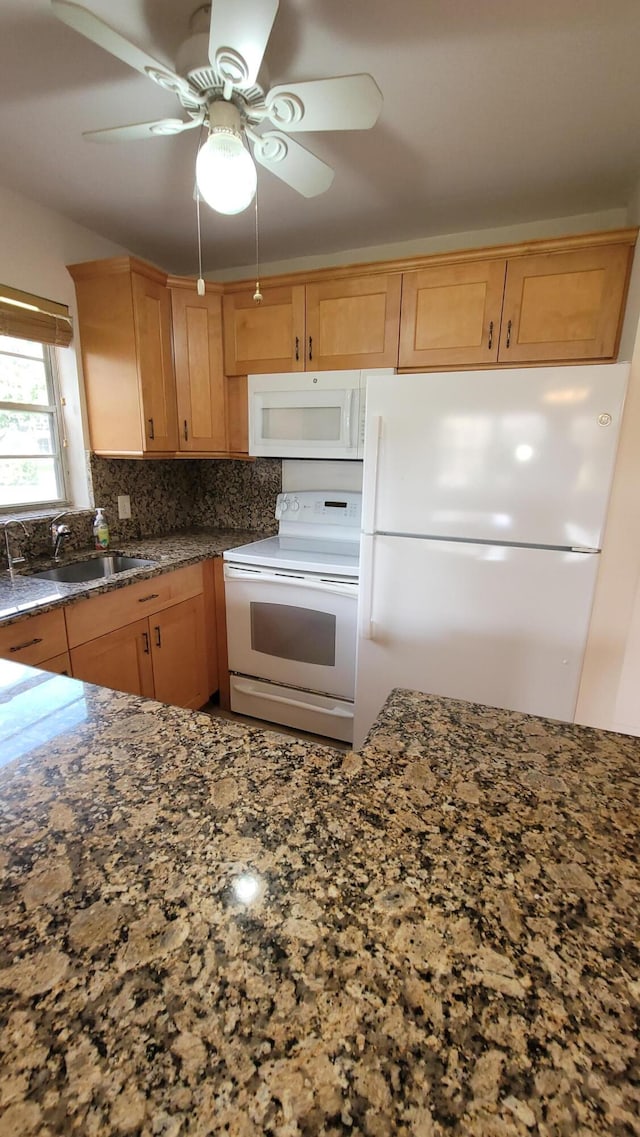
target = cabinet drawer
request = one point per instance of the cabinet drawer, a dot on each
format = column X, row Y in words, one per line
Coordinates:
column 99, row 615
column 61, row 664
column 35, row 638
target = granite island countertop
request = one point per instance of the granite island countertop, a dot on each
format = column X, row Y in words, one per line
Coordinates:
column 22, row 594
column 211, row 929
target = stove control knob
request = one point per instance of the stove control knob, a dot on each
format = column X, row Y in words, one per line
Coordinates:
column 295, row 505
column 284, row 505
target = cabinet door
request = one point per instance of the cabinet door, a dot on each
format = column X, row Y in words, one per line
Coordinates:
column 180, row 669
column 61, row 664
column 152, row 321
column 561, row 306
column 120, row 660
column 451, row 314
column 353, row 322
column 265, row 337
column 200, row 385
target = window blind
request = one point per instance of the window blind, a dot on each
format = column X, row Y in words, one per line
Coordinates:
column 29, row 317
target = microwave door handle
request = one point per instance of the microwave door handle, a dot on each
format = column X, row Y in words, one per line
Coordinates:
column 333, row 587
column 335, row 712
column 350, row 418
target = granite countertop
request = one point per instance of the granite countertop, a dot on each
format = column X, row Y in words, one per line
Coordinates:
column 22, row 594
column 211, row 929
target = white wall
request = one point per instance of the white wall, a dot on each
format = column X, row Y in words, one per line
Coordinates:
column 35, row 247
column 423, row 246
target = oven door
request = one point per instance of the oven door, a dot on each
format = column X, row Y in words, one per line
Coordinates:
column 292, row 628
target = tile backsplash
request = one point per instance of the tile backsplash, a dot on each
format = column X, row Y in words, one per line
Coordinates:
column 183, row 494
column 166, row 496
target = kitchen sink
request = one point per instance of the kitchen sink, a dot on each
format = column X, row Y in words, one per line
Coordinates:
column 94, row 568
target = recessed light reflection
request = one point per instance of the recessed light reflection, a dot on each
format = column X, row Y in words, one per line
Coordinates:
column 524, row 452
column 246, row 888
column 502, row 520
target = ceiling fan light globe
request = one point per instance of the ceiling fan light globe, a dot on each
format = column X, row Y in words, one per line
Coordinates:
column 225, row 173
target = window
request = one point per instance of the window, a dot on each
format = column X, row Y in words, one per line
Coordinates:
column 31, row 472
column 31, row 467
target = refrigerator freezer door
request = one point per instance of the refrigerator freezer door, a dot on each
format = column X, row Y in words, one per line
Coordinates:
column 521, row 455
column 489, row 624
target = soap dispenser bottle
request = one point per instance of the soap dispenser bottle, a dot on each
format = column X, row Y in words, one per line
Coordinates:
column 100, row 530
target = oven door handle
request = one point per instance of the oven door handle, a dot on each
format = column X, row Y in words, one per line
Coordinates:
column 335, row 712
column 332, row 587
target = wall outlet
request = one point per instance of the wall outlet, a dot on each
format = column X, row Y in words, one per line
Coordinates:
column 124, row 506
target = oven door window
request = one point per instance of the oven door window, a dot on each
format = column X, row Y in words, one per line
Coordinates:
column 289, row 632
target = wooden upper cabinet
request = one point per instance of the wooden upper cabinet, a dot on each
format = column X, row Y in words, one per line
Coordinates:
column 124, row 318
column 564, row 305
column 265, row 337
column 451, row 314
column 200, row 381
column 353, row 322
column 152, row 321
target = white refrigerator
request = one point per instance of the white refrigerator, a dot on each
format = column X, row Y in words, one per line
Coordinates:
column 484, row 500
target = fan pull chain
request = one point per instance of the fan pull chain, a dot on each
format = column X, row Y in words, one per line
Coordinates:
column 200, row 284
column 257, row 296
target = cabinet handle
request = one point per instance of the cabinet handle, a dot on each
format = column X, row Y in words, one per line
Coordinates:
column 310, row 348
column 152, row 432
column 508, row 344
column 145, row 636
column 64, row 672
column 186, row 431
column 490, row 343
column 151, row 596
column 297, row 348
column 29, row 643
column 158, row 636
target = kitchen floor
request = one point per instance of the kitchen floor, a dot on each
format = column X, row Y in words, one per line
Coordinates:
column 216, row 711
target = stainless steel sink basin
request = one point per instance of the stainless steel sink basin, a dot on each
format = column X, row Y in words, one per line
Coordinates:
column 95, row 568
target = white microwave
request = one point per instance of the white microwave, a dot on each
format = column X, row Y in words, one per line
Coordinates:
column 308, row 414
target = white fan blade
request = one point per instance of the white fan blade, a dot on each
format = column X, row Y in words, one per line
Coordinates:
column 105, row 37
column 240, row 30
column 290, row 162
column 162, row 127
column 349, row 102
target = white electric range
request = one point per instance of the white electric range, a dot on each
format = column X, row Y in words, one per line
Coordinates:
column 291, row 604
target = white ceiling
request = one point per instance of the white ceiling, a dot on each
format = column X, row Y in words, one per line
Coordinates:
column 495, row 112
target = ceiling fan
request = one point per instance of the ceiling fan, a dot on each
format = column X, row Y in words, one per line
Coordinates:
column 216, row 82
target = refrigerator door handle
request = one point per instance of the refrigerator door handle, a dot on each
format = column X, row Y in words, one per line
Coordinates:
column 366, row 588
column 372, row 448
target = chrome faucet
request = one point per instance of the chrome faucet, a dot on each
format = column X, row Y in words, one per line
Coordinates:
column 58, row 533
column 11, row 561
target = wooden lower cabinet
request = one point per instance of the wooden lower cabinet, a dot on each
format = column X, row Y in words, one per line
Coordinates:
column 161, row 657
column 165, row 654
column 120, row 660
